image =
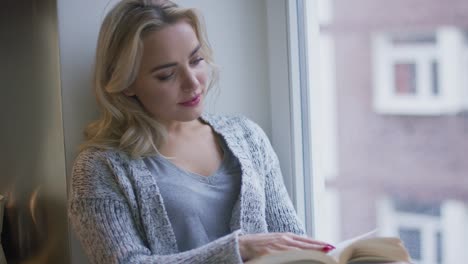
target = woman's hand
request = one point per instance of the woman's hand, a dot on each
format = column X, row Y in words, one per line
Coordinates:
column 255, row 245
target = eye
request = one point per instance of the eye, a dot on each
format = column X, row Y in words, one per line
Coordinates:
column 196, row 61
column 165, row 77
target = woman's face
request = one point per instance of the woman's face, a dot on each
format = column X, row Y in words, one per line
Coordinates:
column 171, row 82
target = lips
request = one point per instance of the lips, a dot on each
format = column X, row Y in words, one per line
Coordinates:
column 193, row 101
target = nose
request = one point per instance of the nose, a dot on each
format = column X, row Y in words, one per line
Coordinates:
column 190, row 81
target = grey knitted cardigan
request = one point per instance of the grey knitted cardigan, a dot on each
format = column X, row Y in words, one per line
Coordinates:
column 117, row 211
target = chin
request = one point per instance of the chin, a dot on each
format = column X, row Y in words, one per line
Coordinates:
column 180, row 114
column 192, row 115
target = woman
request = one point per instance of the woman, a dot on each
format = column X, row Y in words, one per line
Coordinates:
column 158, row 181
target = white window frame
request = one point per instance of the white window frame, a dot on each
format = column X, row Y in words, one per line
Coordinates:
column 289, row 87
column 293, row 37
column 390, row 221
column 284, row 80
column 322, row 117
column 465, row 74
column 446, row 52
column 429, row 226
column 452, row 224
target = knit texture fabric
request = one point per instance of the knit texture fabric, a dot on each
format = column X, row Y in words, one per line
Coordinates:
column 117, row 211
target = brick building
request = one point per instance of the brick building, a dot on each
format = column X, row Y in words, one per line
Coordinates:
column 401, row 89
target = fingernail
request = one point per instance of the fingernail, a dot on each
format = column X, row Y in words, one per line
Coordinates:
column 327, row 248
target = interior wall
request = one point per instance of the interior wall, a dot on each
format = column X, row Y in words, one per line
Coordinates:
column 238, row 33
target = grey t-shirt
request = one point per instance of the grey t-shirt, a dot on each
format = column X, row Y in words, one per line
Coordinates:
column 199, row 207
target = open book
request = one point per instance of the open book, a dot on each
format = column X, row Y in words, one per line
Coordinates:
column 360, row 249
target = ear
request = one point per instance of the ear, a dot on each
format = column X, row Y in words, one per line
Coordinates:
column 129, row 91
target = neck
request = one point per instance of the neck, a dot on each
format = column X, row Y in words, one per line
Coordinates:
column 181, row 135
column 179, row 127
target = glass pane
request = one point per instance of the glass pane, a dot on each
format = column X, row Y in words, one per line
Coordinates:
column 435, row 77
column 416, row 38
column 405, row 78
column 412, row 238
column 439, row 248
column 416, row 207
column 399, row 173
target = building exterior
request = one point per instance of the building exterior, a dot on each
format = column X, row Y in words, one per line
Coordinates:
column 400, row 78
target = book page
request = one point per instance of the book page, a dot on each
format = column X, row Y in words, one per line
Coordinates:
column 368, row 248
column 295, row 257
column 343, row 250
column 379, row 249
column 311, row 256
column 361, row 248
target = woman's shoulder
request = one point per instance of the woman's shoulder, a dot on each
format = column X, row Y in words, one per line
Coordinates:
column 99, row 161
column 93, row 155
column 93, row 173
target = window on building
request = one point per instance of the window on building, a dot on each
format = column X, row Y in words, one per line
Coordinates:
column 418, row 73
column 405, row 76
column 420, row 227
column 412, row 238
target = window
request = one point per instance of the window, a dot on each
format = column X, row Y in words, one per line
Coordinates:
column 412, row 238
column 386, row 85
column 465, row 70
column 419, row 227
column 428, row 230
column 405, row 79
column 439, row 248
column 418, row 73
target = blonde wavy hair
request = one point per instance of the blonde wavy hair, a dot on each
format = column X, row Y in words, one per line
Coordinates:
column 124, row 124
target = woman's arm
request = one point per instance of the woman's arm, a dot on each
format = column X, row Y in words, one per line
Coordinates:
column 280, row 213
column 108, row 234
column 285, row 231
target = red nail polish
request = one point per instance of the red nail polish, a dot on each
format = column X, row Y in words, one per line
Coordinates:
column 327, row 248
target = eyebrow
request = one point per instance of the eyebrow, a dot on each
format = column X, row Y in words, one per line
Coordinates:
column 172, row 64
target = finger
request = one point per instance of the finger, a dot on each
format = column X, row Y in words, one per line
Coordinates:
column 309, row 240
column 304, row 245
column 285, row 247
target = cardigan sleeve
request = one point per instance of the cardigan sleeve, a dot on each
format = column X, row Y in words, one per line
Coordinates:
column 108, row 231
column 280, row 213
column 279, row 210
column 108, row 235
